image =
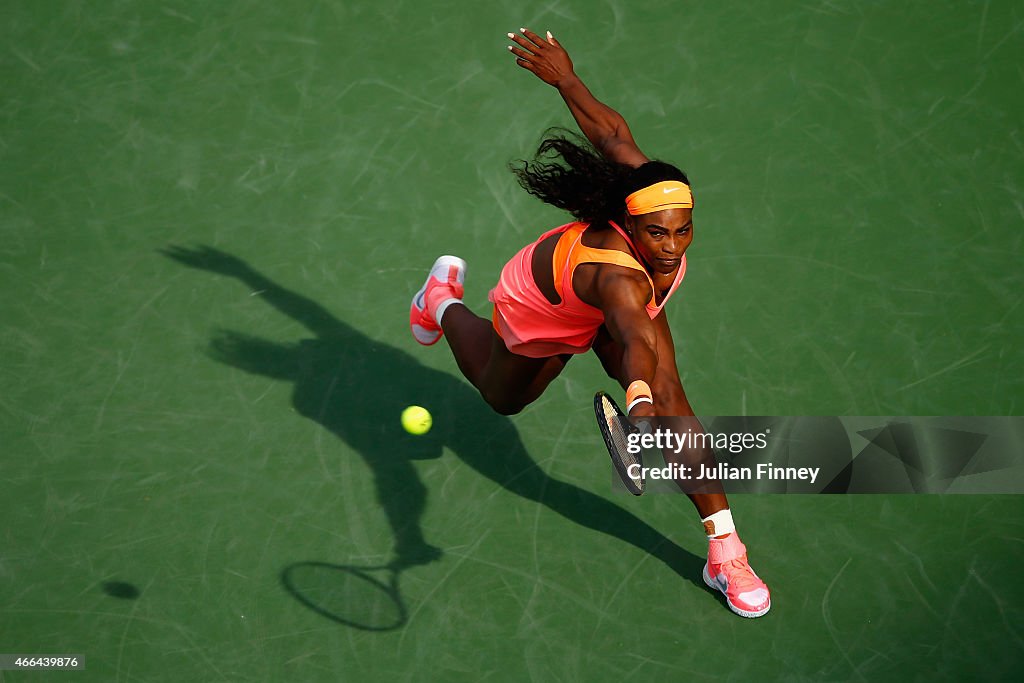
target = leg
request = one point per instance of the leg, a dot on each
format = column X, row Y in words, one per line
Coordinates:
column 469, row 337
column 508, row 382
column 669, row 392
column 727, row 569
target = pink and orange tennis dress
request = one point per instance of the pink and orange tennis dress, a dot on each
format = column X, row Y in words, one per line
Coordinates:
column 531, row 325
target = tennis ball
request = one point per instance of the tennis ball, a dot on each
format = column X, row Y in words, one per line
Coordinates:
column 416, row 420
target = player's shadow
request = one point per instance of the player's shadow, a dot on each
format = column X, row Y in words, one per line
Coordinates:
column 356, row 387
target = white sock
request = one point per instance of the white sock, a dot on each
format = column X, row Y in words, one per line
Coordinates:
column 443, row 306
column 719, row 524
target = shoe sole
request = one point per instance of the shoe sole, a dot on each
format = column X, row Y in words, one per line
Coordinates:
column 711, row 583
column 421, row 334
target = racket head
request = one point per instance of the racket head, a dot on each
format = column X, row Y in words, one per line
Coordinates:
column 615, row 429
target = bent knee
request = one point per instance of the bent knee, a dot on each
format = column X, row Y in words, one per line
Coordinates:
column 502, row 403
column 508, row 409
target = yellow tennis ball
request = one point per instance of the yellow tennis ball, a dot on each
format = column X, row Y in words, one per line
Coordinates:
column 416, row 420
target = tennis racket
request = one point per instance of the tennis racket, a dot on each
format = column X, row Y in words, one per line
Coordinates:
column 616, row 428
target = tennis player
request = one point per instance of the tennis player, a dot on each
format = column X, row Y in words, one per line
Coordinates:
column 600, row 282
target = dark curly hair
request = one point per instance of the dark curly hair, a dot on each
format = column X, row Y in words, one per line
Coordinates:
column 569, row 173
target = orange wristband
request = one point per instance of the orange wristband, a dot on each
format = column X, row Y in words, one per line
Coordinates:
column 638, row 392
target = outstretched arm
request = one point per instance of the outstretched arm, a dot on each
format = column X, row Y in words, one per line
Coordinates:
column 622, row 295
column 603, row 126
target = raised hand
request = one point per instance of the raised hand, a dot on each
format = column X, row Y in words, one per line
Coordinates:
column 545, row 58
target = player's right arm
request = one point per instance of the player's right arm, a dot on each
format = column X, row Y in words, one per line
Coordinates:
column 603, row 126
column 622, row 295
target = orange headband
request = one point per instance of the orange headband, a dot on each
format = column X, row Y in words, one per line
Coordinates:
column 669, row 194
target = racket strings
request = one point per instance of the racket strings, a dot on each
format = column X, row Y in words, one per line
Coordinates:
column 619, row 433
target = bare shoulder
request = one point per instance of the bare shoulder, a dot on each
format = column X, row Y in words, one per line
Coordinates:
column 605, row 238
column 607, row 285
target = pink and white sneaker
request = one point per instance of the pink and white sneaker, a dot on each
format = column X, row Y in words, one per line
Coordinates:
column 444, row 282
column 728, row 571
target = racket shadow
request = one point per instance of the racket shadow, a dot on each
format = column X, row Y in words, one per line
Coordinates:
column 324, row 371
column 365, row 598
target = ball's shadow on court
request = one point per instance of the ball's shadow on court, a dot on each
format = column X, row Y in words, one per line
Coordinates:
column 347, row 381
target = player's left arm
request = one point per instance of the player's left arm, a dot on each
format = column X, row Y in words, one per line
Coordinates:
column 606, row 129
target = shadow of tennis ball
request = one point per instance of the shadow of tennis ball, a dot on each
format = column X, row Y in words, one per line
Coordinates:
column 120, row 589
column 365, row 598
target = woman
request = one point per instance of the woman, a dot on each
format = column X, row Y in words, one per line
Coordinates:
column 600, row 282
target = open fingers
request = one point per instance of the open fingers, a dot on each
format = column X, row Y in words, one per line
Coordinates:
column 524, row 50
column 534, row 53
column 521, row 54
column 537, row 40
column 529, row 40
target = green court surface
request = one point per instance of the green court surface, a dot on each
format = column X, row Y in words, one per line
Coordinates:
column 198, row 446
